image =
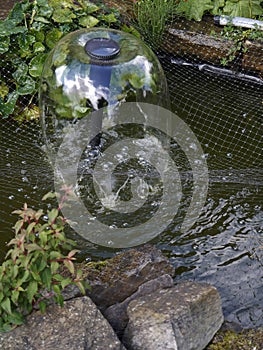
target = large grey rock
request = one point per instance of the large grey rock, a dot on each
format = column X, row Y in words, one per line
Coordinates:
column 121, row 276
column 184, row 317
column 79, row 325
column 117, row 313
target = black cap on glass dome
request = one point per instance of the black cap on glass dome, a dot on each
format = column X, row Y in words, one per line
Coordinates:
column 102, row 48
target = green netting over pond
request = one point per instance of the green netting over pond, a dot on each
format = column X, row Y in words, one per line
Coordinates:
column 215, row 80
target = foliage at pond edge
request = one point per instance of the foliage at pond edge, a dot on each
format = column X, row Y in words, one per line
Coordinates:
column 31, row 274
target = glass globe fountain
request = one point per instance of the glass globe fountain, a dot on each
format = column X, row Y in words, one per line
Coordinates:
column 94, row 69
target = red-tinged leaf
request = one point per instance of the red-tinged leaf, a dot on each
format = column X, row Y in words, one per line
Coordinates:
column 32, row 247
column 52, row 215
column 70, row 266
column 18, row 225
column 72, row 253
column 38, row 214
column 18, row 212
column 49, row 195
column 30, row 227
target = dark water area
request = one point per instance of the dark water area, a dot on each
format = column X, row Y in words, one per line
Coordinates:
column 224, row 246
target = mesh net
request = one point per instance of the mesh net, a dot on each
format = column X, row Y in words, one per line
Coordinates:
column 216, row 87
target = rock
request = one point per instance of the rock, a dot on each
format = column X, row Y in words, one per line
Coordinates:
column 185, row 317
column 121, row 276
column 78, row 325
column 196, row 45
column 117, row 313
column 252, row 57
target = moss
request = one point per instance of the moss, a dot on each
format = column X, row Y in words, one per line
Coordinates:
column 246, row 340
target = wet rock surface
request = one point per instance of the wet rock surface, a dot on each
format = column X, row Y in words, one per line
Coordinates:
column 79, row 325
column 122, row 275
column 184, row 317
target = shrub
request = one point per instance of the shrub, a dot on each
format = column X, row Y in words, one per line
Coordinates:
column 31, row 273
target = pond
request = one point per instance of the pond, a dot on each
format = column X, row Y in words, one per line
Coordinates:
column 223, row 246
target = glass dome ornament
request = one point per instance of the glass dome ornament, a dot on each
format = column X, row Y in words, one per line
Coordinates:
column 93, row 69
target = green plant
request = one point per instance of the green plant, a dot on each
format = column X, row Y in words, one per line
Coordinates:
column 238, row 37
column 152, row 17
column 31, row 30
column 195, row 9
column 31, row 274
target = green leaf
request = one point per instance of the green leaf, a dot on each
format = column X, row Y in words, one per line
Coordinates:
column 193, row 9
column 65, row 282
column 17, row 14
column 8, row 107
column 21, row 72
column 43, row 238
column 38, row 47
column 54, row 267
column 18, row 225
column 28, row 87
column 49, row 195
column 90, row 7
column 56, row 288
column 6, row 305
column 36, row 65
column 59, row 299
column 52, row 215
column 53, row 37
column 46, row 278
column 63, row 15
column 33, row 247
column 88, row 21
column 217, row 5
column 81, row 287
column 15, row 296
column 32, row 290
column 16, row 318
column 30, row 227
column 42, row 306
column 8, row 27
column 243, row 8
column 4, row 44
column 4, row 89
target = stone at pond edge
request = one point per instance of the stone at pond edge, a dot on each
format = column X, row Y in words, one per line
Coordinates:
column 185, row 317
column 79, row 325
column 117, row 313
column 121, row 276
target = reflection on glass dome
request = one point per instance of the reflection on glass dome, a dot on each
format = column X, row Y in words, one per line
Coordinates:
column 96, row 68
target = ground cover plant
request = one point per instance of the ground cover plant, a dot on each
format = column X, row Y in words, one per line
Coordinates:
column 30, row 31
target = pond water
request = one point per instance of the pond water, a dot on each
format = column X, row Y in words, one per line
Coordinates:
column 223, row 247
